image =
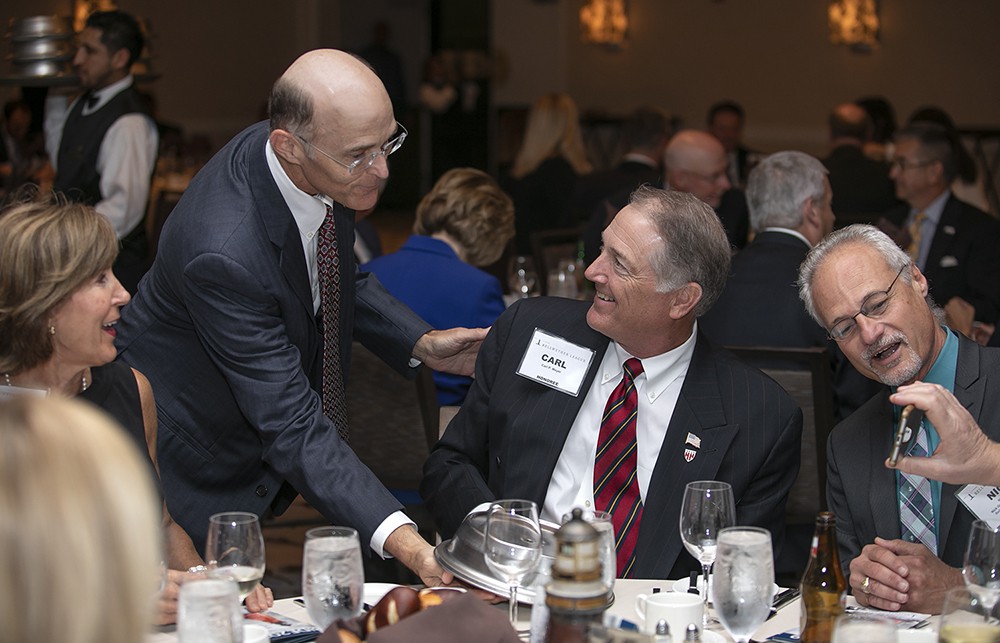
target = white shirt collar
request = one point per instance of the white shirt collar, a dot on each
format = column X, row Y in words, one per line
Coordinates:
column 308, row 210
column 104, row 94
column 789, row 231
column 660, row 370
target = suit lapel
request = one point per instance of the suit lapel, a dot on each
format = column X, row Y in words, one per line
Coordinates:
column 699, row 410
column 944, row 234
column 880, row 480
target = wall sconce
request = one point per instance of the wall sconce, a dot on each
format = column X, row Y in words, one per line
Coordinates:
column 604, row 22
column 854, row 22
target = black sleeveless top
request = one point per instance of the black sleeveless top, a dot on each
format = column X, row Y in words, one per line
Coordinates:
column 115, row 391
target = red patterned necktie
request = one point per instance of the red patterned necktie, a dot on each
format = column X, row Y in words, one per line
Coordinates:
column 328, row 267
column 616, row 488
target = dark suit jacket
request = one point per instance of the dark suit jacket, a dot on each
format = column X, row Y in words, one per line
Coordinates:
column 543, row 200
column 223, row 327
column 964, row 257
column 861, row 491
column 427, row 275
column 624, row 177
column 861, row 185
column 760, row 306
column 506, row 439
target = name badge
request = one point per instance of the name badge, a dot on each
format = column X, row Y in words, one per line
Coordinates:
column 555, row 362
column 982, row 501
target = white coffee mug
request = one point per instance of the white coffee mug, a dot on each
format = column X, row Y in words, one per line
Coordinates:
column 678, row 610
column 255, row 633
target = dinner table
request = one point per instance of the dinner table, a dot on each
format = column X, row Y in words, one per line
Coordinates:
column 626, row 592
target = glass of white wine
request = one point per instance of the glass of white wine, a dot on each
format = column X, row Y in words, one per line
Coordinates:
column 235, row 549
column 966, row 618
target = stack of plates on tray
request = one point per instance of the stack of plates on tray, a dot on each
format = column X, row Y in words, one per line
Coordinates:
column 41, row 46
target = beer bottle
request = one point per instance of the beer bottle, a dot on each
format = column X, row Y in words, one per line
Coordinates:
column 824, row 590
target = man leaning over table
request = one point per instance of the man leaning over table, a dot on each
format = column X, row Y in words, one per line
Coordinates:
column 225, row 325
column 532, row 421
column 901, row 538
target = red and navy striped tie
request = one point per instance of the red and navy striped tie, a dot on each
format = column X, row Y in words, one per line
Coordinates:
column 616, row 489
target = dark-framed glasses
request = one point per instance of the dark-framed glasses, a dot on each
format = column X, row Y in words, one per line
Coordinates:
column 873, row 307
column 906, row 164
column 367, row 161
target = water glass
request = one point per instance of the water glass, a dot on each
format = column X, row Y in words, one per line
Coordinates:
column 562, row 281
column 523, row 278
column 235, row 549
column 513, row 544
column 851, row 629
column 209, row 612
column 744, row 575
column 601, row 521
column 333, row 578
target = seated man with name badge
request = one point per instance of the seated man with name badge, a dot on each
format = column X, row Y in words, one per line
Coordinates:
column 615, row 405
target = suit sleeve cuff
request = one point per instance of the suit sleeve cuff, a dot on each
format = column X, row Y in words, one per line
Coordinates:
column 393, row 521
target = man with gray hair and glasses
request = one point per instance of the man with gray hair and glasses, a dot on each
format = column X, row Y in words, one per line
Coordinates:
column 902, row 537
column 245, row 321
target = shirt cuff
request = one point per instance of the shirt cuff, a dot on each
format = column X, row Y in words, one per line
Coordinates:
column 414, row 362
column 393, row 521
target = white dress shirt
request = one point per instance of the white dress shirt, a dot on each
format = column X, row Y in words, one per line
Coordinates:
column 309, row 211
column 125, row 160
column 929, row 225
column 658, row 388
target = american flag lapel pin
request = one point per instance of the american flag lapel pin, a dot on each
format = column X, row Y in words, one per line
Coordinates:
column 691, row 446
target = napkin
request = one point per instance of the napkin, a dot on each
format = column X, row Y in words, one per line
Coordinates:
column 459, row 620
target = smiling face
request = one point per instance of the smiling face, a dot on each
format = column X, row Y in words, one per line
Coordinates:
column 627, row 307
column 902, row 343
column 85, row 323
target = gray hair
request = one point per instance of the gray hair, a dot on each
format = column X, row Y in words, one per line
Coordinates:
column 779, row 185
column 695, row 246
column 861, row 234
column 290, row 108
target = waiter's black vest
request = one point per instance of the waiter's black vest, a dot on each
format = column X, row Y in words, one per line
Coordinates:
column 77, row 174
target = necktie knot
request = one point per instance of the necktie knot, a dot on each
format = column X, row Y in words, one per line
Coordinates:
column 633, row 367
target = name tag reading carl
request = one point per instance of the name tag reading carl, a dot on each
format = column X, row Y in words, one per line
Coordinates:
column 555, row 362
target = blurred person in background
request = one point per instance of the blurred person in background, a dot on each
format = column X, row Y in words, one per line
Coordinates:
column 546, row 169
column 463, row 223
column 78, row 563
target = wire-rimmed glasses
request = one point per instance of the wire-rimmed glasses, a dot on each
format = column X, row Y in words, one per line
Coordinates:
column 873, row 307
column 367, row 161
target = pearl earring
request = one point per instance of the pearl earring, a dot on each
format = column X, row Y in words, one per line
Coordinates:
column 52, row 330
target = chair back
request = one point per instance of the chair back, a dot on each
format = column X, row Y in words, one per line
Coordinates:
column 393, row 420
column 805, row 374
column 549, row 247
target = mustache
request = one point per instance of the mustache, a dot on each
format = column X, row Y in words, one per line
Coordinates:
column 883, row 342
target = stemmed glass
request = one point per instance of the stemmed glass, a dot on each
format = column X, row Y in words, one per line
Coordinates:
column 966, row 617
column 513, row 544
column 981, row 567
column 235, row 549
column 523, row 278
column 708, row 508
column 333, row 577
column 744, row 578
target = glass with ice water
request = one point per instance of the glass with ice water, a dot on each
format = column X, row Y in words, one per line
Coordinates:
column 332, row 575
column 742, row 587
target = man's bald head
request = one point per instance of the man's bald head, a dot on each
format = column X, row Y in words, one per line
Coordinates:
column 324, row 88
column 696, row 162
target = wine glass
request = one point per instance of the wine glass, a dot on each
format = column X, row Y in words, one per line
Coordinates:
column 981, row 567
column 707, row 508
column 235, row 549
column 966, row 617
column 513, row 544
column 744, row 579
column 333, row 577
column 523, row 278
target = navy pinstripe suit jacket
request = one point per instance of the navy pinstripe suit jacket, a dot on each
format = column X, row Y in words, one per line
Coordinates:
column 506, row 439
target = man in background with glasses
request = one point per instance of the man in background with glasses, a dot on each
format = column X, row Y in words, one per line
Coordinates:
column 902, row 537
column 956, row 245
column 253, row 279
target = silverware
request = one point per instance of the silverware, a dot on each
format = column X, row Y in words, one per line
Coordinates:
column 782, row 599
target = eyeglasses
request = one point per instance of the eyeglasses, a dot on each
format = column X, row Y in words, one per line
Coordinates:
column 366, row 162
column 906, row 164
column 715, row 177
column 873, row 307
